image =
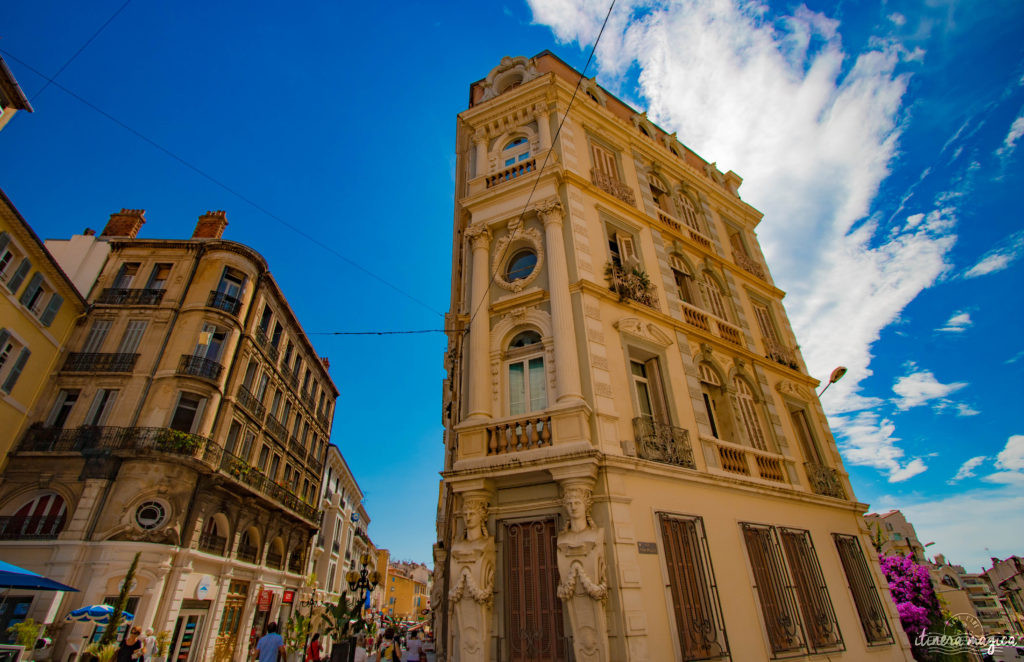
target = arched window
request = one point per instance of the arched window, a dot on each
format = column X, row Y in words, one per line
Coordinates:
column 214, row 536
column 949, row 581
column 712, row 296
column 686, row 289
column 714, row 402
column 42, row 517
column 527, row 384
column 516, row 150
column 659, row 194
column 747, row 411
column 688, row 212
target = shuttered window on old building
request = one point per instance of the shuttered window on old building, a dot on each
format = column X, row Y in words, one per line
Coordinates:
column 534, row 627
column 865, row 593
column 820, row 623
column 691, row 582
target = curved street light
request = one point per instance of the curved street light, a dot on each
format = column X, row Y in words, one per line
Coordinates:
column 836, row 375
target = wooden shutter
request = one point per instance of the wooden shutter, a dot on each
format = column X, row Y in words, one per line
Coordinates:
column 604, row 161
column 4, row 240
column 803, row 433
column 781, row 619
column 19, row 275
column 56, row 301
column 737, row 243
column 691, row 583
column 821, row 627
column 34, row 284
column 712, row 297
column 764, row 321
column 19, row 365
column 747, row 411
column 132, row 336
column 862, row 586
column 4, row 335
column 688, row 212
column 97, row 334
column 534, row 629
column 627, row 249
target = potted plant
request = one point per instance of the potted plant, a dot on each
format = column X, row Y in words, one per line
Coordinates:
column 25, row 634
column 344, row 622
column 163, row 645
column 102, row 652
column 295, row 633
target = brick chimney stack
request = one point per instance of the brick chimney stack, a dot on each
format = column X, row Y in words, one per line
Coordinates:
column 125, row 223
column 211, row 225
column 326, row 361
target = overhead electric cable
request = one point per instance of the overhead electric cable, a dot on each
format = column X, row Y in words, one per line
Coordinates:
column 522, row 214
column 79, row 51
column 224, row 186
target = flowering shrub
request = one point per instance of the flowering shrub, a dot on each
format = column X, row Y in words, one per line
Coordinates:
column 911, row 589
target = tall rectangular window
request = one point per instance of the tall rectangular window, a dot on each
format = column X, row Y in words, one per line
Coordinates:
column 820, row 624
column 231, row 283
column 265, row 318
column 132, row 336
column 526, row 386
column 66, row 400
column 604, row 161
column 865, row 594
column 232, row 439
column 264, row 455
column 803, row 433
column 691, row 581
column 126, row 275
column 102, row 404
column 650, row 399
column 158, row 278
column 764, row 321
column 211, row 342
column 97, row 334
column 188, row 412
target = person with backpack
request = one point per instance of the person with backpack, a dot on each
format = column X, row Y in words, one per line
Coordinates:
column 389, row 649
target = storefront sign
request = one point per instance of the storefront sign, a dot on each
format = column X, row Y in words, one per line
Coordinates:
column 266, row 599
column 204, row 587
column 289, row 596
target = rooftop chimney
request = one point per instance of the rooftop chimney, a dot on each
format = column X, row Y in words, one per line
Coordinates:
column 89, row 232
column 125, row 223
column 211, row 225
column 326, row 361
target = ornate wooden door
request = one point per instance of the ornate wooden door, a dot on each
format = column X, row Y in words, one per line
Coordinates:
column 534, row 630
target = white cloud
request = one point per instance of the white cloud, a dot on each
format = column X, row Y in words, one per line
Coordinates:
column 1012, row 136
column 971, row 526
column 767, row 96
column 920, row 387
column 866, row 441
column 1000, row 257
column 958, row 323
column 1011, row 457
column 967, row 469
column 964, row 409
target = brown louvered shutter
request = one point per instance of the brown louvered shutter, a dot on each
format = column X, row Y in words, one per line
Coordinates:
column 781, row 619
column 862, row 586
column 819, row 620
column 694, row 593
column 534, row 630
column 604, row 161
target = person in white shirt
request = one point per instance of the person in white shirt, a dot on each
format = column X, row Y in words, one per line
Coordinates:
column 361, row 646
column 414, row 647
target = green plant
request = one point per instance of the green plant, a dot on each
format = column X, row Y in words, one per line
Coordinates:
column 110, row 634
column 296, row 630
column 176, row 441
column 26, row 632
column 163, row 642
column 102, row 652
column 345, row 620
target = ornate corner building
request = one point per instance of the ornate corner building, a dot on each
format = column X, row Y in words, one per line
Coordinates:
column 636, row 466
column 188, row 420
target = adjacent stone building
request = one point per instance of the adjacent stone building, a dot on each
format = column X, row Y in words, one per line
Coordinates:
column 636, row 464
column 187, row 422
column 342, row 538
column 896, row 535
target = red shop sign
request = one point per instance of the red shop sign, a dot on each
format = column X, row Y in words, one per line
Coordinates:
column 288, row 597
column 266, row 598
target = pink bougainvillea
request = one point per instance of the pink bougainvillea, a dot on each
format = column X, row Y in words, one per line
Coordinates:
column 911, row 589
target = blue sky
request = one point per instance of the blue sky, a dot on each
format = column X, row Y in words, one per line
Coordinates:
column 880, row 139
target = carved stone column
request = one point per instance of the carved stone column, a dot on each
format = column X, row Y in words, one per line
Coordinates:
column 480, row 324
column 470, row 599
column 581, row 567
column 567, row 368
column 543, row 126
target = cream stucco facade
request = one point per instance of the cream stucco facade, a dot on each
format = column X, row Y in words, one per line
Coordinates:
column 637, row 466
column 188, row 421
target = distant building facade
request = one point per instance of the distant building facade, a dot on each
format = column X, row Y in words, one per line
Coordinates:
column 187, row 422
column 1006, row 577
column 896, row 534
column 12, row 99
column 408, row 591
column 338, row 548
column 39, row 308
column 637, row 466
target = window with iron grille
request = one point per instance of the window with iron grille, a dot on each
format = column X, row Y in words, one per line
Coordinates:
column 820, row 623
column 534, row 628
column 691, row 582
column 865, row 594
column 787, row 592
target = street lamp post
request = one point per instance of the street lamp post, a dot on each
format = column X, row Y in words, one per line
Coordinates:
column 362, row 583
column 836, row 375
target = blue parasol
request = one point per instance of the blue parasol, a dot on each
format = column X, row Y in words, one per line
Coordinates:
column 11, row 576
column 99, row 614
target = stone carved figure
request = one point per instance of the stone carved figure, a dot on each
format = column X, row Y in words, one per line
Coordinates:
column 472, row 583
column 581, row 567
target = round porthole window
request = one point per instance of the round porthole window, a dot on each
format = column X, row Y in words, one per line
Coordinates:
column 150, row 515
column 521, row 265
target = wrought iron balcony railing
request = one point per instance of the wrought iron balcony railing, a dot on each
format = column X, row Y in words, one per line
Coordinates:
column 296, row 447
column 199, row 366
column 118, row 296
column 274, row 427
column 225, row 302
column 248, row 553
column 212, row 543
column 260, row 336
column 662, row 443
column 92, row 440
column 248, row 400
column 824, row 480
column 31, row 527
column 99, row 362
column 316, row 465
column 634, row 285
column 613, row 186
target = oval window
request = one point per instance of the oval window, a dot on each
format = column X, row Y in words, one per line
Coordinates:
column 521, row 265
column 150, row 515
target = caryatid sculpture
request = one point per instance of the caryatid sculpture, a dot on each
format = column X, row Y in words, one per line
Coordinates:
column 471, row 596
column 581, row 567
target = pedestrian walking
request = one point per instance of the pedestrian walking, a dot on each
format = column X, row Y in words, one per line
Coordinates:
column 149, row 648
column 131, row 647
column 270, row 647
column 414, row 648
column 314, row 653
column 389, row 649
